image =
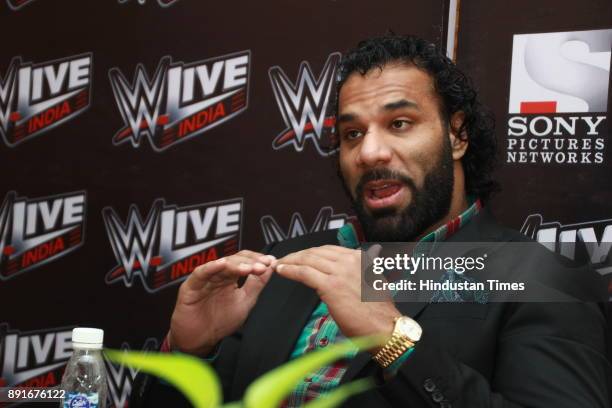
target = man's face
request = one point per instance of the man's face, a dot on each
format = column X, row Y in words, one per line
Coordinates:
column 395, row 153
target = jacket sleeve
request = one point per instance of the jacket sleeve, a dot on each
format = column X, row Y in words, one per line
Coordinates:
column 548, row 355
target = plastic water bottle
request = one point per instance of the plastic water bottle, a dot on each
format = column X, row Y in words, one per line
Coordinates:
column 84, row 380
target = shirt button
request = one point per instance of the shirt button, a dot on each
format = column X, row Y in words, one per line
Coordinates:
column 429, row 385
column 437, row 396
column 323, row 342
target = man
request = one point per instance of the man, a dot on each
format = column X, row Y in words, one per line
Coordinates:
column 415, row 154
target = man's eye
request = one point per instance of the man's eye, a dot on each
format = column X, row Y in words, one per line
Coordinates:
column 400, row 124
column 352, row 134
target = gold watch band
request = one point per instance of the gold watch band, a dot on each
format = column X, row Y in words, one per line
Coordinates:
column 394, row 348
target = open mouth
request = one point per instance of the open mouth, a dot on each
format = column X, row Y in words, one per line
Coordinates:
column 384, row 193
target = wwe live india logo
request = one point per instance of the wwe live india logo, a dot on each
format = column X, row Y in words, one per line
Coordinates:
column 181, row 100
column 35, row 98
column 33, row 358
column 167, row 245
column 34, row 232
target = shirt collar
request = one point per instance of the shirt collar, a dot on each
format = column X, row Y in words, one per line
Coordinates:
column 350, row 236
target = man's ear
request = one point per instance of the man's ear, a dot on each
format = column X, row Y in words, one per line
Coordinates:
column 458, row 137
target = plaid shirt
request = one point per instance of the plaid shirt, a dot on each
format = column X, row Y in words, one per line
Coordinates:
column 322, row 330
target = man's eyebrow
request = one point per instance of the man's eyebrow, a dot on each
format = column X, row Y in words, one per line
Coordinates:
column 391, row 106
column 346, row 117
column 402, row 103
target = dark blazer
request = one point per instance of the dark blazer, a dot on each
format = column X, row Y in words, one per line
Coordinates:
column 471, row 355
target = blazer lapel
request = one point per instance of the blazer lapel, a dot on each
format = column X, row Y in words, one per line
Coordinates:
column 287, row 325
column 290, row 309
column 272, row 331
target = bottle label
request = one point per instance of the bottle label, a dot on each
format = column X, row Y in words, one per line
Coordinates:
column 80, row 400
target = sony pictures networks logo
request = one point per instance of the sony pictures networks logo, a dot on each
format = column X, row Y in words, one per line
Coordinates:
column 558, row 97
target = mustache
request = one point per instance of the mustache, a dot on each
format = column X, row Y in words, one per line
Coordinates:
column 382, row 174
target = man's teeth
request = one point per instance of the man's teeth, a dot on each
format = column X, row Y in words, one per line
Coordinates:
column 383, row 186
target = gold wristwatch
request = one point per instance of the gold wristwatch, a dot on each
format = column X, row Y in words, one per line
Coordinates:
column 405, row 334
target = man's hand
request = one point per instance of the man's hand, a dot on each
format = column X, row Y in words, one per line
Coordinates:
column 211, row 306
column 335, row 273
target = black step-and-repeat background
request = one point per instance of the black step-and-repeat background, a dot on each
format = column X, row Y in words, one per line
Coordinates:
column 140, row 138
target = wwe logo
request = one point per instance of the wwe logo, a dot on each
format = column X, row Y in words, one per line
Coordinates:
column 7, row 94
column 325, row 220
column 121, row 378
column 133, row 242
column 304, row 105
column 139, row 103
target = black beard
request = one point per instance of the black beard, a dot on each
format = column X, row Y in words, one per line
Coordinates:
column 427, row 206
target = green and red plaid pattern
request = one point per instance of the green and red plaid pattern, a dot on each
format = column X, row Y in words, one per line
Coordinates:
column 451, row 227
column 320, row 331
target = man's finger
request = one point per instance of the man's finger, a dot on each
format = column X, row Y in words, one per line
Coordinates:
column 230, row 268
column 371, row 253
column 200, row 275
column 255, row 283
column 238, row 265
column 257, row 256
column 304, row 274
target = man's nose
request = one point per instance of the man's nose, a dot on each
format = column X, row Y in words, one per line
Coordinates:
column 374, row 150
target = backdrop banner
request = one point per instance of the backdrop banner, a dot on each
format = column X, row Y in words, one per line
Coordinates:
column 141, row 138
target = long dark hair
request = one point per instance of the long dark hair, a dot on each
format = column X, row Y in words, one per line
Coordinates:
column 456, row 94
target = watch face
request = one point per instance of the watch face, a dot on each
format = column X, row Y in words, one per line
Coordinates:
column 409, row 328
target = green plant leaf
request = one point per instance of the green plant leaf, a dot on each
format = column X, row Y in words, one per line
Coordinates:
column 236, row 404
column 190, row 375
column 337, row 396
column 271, row 388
